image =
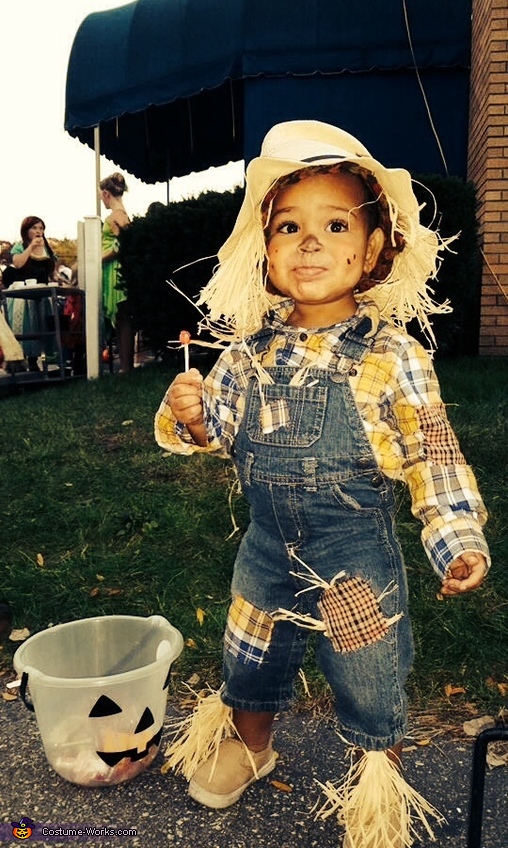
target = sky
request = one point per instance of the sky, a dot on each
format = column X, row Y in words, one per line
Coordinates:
column 44, row 171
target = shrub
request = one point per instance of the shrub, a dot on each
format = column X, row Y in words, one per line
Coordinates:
column 459, row 279
column 175, row 243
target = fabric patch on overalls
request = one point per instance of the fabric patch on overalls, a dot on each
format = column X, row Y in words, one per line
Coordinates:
column 248, row 632
column 352, row 615
column 273, row 415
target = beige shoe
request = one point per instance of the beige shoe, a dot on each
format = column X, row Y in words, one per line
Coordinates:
column 222, row 779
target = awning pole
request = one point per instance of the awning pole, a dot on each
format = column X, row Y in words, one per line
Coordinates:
column 97, row 148
column 91, row 255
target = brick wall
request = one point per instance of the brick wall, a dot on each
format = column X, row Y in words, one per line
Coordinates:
column 488, row 164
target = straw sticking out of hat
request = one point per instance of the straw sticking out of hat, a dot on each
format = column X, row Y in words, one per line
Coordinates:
column 236, row 296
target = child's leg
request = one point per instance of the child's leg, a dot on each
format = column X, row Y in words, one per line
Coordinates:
column 374, row 803
column 225, row 775
column 247, row 754
column 395, row 753
column 255, row 729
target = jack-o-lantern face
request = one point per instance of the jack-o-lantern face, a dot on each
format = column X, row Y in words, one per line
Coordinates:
column 22, row 829
column 116, row 745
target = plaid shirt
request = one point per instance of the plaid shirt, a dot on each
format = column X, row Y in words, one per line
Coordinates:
column 398, row 399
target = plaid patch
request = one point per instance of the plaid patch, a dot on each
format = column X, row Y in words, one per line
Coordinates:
column 441, row 444
column 274, row 415
column 352, row 615
column 248, row 632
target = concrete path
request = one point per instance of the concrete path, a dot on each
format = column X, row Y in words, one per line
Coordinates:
column 158, row 808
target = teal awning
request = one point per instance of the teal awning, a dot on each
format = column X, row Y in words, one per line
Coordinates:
column 179, row 85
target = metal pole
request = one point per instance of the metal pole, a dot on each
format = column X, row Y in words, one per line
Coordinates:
column 97, row 148
column 491, row 734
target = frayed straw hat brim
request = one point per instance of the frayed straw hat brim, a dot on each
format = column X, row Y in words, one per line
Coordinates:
column 237, row 297
column 262, row 173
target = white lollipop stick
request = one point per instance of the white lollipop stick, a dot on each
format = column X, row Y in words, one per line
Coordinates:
column 185, row 338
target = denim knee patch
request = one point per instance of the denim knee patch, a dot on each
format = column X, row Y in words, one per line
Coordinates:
column 248, row 632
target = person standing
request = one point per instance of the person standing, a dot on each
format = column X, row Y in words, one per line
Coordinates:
column 115, row 304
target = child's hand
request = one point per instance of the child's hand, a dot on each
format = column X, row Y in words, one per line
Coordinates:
column 185, row 397
column 466, row 573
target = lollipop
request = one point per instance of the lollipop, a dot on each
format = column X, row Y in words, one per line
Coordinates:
column 185, row 338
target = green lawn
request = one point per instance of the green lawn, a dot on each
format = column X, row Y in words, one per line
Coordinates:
column 97, row 520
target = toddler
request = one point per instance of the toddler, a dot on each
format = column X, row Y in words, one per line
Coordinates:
column 322, row 400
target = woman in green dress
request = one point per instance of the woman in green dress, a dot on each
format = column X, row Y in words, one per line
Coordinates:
column 115, row 305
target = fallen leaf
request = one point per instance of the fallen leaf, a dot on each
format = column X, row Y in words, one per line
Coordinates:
column 9, row 696
column 112, row 592
column 282, row 787
column 423, row 742
column 200, row 615
column 190, row 643
column 475, row 726
column 39, row 559
column 127, row 422
column 94, row 592
column 19, row 635
column 193, row 680
column 497, row 754
column 503, row 689
column 454, row 690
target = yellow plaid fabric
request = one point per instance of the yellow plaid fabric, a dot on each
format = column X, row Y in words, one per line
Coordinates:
column 399, row 401
column 248, row 632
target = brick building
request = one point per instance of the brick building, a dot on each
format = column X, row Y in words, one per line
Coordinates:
column 488, row 164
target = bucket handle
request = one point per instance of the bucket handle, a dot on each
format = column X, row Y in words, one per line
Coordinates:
column 22, row 691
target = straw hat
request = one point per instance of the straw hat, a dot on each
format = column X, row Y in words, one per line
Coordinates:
column 236, row 295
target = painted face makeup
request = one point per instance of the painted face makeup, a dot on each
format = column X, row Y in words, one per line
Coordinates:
column 319, row 247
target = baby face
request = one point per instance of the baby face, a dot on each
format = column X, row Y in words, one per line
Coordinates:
column 319, row 246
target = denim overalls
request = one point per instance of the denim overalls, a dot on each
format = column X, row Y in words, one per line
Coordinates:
column 318, row 502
